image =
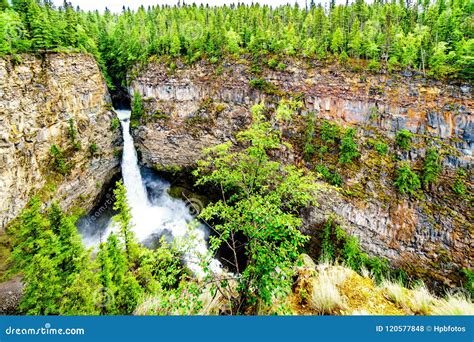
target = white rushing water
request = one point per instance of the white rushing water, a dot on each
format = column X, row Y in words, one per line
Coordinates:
column 161, row 214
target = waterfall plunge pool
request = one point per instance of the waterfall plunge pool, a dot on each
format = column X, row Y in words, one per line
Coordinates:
column 154, row 212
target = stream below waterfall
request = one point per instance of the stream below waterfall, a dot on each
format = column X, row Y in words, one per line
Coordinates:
column 154, row 212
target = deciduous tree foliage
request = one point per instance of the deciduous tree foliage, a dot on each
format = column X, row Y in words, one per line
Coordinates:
column 261, row 198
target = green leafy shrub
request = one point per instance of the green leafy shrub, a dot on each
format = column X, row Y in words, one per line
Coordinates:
column 281, row 66
column 407, row 181
column 137, row 106
column 403, row 139
column 373, row 66
column 333, row 178
column 115, row 124
column 348, row 148
column 327, row 247
column 264, row 86
column 93, row 149
column 343, row 57
column 379, row 146
column 329, row 132
column 272, row 63
column 264, row 199
column 469, row 282
column 431, row 167
column 459, row 186
column 374, row 113
column 59, row 161
column 337, row 245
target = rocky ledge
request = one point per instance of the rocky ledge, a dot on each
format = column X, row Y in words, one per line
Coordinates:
column 54, row 99
column 189, row 108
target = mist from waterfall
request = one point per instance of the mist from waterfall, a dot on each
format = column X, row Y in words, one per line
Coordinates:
column 154, row 212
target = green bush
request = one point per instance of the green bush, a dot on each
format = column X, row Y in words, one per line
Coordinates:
column 333, row 178
column 272, row 63
column 59, row 161
column 327, row 247
column 337, row 245
column 137, row 106
column 343, row 57
column 329, row 132
column 264, row 86
column 373, row 66
column 380, row 147
column 407, row 181
column 403, row 139
column 281, row 66
column 115, row 124
column 93, row 149
column 348, row 148
column 374, row 113
column 432, row 167
column 459, row 186
column 469, row 282
column 72, row 132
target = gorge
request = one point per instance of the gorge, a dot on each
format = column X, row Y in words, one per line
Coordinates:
column 191, row 108
column 194, row 107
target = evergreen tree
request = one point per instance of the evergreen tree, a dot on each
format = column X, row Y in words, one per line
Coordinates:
column 124, row 220
column 43, row 287
column 433, row 37
column 29, row 235
column 337, row 41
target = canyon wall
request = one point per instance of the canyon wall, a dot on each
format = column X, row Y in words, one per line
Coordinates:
column 193, row 107
column 41, row 98
column 424, row 107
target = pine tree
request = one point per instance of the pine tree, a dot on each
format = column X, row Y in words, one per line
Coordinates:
column 337, row 41
column 82, row 296
column 124, row 220
column 71, row 258
column 43, row 287
column 29, row 235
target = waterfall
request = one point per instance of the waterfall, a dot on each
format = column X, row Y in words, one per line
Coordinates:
column 136, row 191
column 159, row 214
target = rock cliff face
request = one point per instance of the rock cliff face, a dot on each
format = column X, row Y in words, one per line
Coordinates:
column 425, row 107
column 54, row 99
column 198, row 106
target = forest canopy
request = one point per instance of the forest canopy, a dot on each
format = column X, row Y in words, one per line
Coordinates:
column 430, row 36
